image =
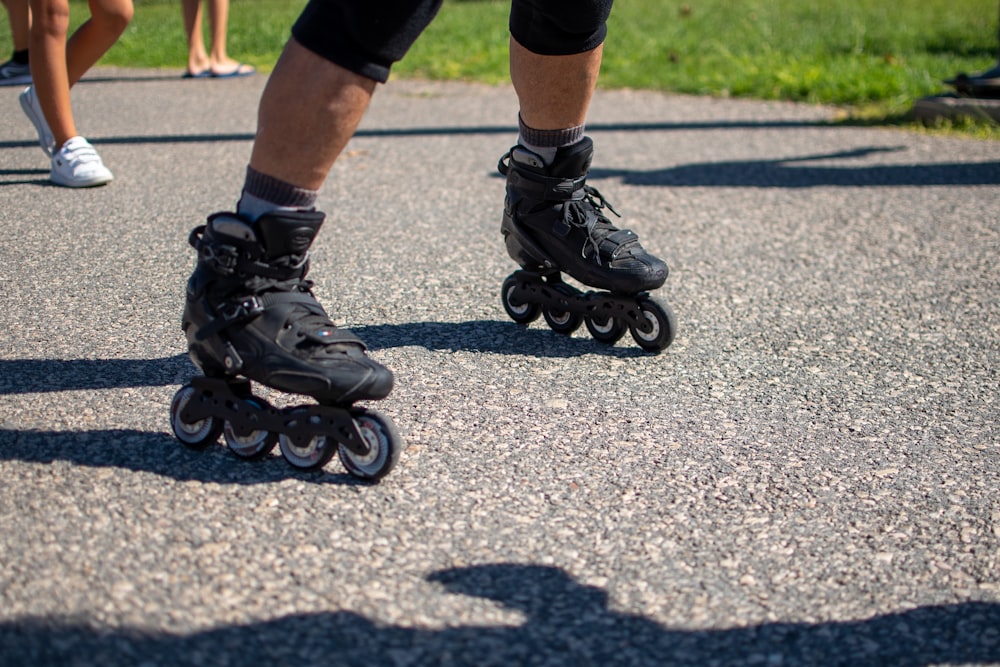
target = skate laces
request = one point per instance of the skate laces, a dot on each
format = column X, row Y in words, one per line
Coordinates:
column 586, row 213
column 582, row 206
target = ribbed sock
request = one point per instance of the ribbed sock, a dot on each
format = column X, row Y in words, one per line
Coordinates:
column 546, row 143
column 263, row 194
column 20, row 57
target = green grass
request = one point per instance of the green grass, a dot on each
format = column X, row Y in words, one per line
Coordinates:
column 874, row 58
column 257, row 32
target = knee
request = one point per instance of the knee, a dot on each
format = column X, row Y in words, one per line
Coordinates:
column 115, row 17
column 51, row 19
column 559, row 27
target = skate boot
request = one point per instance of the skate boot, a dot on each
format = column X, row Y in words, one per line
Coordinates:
column 250, row 315
column 554, row 222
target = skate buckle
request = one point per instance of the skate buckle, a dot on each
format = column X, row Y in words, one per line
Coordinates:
column 232, row 360
column 224, row 258
column 252, row 307
column 245, row 309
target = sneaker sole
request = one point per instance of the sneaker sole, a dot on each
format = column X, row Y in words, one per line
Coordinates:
column 88, row 183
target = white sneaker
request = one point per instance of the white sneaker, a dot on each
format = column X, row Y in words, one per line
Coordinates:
column 77, row 165
column 14, row 74
column 29, row 103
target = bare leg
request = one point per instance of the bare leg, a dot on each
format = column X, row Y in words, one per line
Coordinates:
column 197, row 56
column 57, row 64
column 295, row 143
column 20, row 21
column 218, row 18
column 554, row 91
column 48, row 65
column 108, row 20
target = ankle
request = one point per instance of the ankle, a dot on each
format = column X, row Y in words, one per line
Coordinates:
column 546, row 143
column 263, row 194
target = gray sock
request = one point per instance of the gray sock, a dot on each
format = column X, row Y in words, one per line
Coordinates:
column 546, row 143
column 264, row 194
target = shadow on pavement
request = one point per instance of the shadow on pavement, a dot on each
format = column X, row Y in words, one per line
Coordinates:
column 494, row 336
column 157, row 453
column 794, row 172
column 565, row 623
column 30, row 376
column 454, row 130
column 791, row 172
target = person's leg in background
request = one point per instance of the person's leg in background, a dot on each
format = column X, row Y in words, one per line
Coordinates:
column 17, row 70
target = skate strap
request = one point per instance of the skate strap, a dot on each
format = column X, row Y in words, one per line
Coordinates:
column 547, row 188
column 228, row 259
column 249, row 308
column 322, row 331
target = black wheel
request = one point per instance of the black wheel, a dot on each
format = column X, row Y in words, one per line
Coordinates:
column 254, row 445
column 522, row 313
column 660, row 326
column 383, row 439
column 608, row 330
column 563, row 321
column 198, row 435
column 312, row 455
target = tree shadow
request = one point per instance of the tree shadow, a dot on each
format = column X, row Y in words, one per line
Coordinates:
column 444, row 131
column 565, row 623
column 794, row 172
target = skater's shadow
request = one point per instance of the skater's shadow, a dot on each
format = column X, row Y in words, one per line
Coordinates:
column 29, row 376
column 492, row 336
column 564, row 623
column 796, row 172
column 157, row 453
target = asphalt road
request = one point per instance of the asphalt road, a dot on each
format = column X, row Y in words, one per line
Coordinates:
column 809, row 475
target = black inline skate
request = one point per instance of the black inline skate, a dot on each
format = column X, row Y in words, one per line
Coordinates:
column 251, row 315
column 554, row 222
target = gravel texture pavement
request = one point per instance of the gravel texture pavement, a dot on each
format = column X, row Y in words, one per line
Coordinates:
column 809, row 475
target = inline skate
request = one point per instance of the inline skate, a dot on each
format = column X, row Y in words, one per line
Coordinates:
column 250, row 315
column 554, row 222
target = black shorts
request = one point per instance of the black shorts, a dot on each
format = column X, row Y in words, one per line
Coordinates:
column 368, row 36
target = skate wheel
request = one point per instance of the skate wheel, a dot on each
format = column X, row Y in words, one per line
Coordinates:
column 311, row 455
column 253, row 445
column 522, row 313
column 607, row 330
column 382, row 438
column 563, row 321
column 659, row 327
column 201, row 433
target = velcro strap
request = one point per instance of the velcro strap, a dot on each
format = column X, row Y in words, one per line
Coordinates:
column 275, row 298
column 546, row 188
column 623, row 240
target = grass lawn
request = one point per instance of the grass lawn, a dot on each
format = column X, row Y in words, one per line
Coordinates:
column 874, row 58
